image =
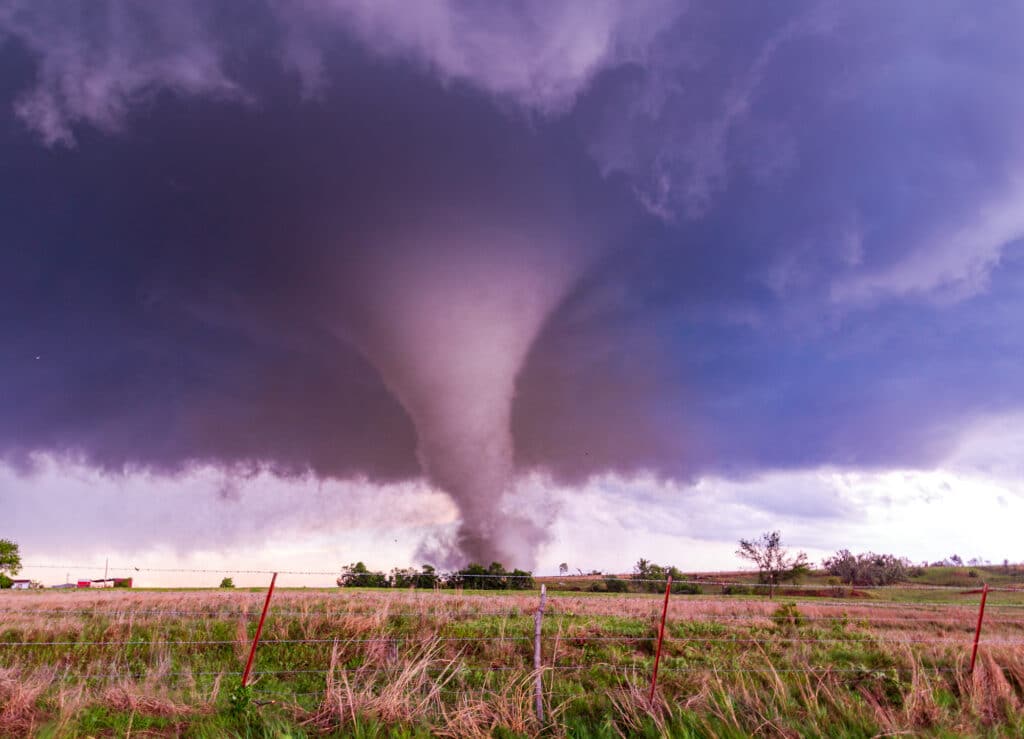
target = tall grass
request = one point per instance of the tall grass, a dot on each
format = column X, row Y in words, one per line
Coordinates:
column 451, row 664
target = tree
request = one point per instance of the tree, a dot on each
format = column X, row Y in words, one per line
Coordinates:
column 10, row 557
column 428, row 577
column 357, row 575
column 773, row 561
column 563, row 569
column 650, row 577
column 227, row 582
column 477, row 577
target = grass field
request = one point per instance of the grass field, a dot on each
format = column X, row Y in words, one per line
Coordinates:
column 442, row 663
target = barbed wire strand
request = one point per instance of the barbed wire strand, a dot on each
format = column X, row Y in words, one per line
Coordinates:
column 968, row 615
column 768, row 639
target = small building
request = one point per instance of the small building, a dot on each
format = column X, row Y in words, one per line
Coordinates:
column 21, row 584
column 106, row 582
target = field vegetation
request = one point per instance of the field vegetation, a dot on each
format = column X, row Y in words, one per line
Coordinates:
column 432, row 662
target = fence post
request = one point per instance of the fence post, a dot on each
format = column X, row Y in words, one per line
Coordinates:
column 259, row 630
column 538, row 687
column 977, row 631
column 661, row 636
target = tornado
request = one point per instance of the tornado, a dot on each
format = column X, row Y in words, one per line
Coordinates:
column 448, row 323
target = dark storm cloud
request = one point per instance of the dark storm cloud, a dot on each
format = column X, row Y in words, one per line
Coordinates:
column 354, row 239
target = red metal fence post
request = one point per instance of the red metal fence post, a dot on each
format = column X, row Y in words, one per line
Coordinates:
column 977, row 631
column 661, row 636
column 259, row 630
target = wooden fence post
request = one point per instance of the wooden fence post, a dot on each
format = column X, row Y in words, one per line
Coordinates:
column 259, row 630
column 977, row 631
column 661, row 636
column 538, row 688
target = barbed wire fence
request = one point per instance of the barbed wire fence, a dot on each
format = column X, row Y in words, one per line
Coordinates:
column 443, row 576
column 545, row 643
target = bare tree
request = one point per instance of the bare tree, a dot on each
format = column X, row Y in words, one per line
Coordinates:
column 773, row 561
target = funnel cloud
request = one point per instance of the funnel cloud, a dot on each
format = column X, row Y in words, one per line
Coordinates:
column 468, row 248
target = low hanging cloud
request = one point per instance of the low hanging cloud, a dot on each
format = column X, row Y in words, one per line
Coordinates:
column 366, row 240
column 95, row 63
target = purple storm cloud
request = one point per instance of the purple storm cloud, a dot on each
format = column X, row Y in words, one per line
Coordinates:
column 466, row 242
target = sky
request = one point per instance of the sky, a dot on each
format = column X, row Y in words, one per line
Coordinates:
column 289, row 285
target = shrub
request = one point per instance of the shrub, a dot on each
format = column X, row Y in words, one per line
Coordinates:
column 686, row 588
column 867, row 568
column 5, row 582
column 613, row 585
column 788, row 616
column 227, row 582
column 737, row 590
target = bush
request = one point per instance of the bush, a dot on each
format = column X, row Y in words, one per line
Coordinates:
column 788, row 616
column 686, row 588
column 867, row 568
column 227, row 582
column 738, row 590
column 614, row 585
column 5, row 582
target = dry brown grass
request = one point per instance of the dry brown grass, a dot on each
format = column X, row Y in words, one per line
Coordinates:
column 19, row 694
column 418, row 680
column 413, row 692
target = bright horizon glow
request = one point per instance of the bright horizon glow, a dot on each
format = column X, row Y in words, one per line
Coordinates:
column 968, row 507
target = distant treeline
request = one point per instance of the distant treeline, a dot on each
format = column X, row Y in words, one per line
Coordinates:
column 647, row 577
column 472, row 577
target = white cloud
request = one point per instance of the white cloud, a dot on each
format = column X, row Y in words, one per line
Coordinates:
column 924, row 514
column 63, row 512
column 95, row 64
column 946, row 265
column 68, row 514
column 539, row 54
